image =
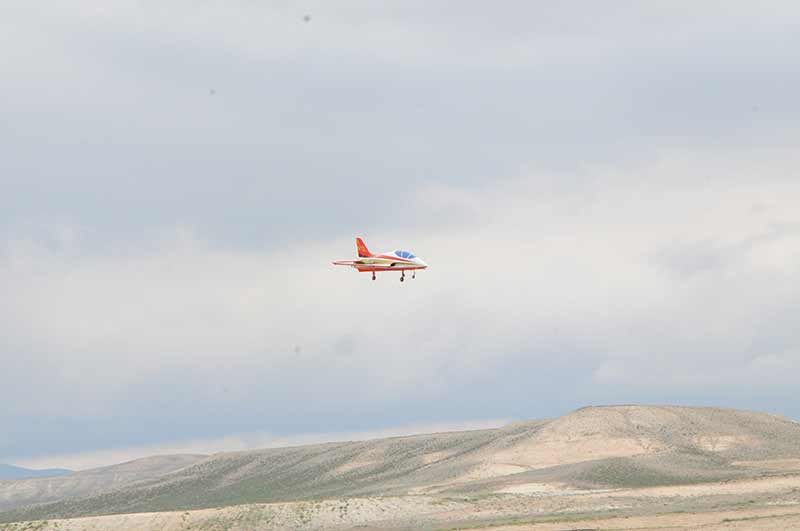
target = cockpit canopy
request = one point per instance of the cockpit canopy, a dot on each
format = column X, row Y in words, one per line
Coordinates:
column 404, row 254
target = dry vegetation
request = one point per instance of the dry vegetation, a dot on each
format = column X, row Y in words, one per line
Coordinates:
column 609, row 467
column 20, row 492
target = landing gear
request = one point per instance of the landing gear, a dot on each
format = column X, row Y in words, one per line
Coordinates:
column 402, row 276
column 414, row 274
column 373, row 275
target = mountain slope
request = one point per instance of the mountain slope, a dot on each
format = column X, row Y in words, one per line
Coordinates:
column 17, row 472
column 592, row 447
column 15, row 493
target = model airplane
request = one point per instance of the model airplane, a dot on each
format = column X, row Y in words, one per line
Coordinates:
column 391, row 261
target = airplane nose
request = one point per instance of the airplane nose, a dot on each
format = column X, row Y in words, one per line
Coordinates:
column 422, row 263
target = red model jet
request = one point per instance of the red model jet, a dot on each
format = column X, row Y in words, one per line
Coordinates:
column 390, row 261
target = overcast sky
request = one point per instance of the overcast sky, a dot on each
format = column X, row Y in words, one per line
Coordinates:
column 607, row 194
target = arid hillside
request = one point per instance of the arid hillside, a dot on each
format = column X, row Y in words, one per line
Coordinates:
column 589, row 450
column 15, row 493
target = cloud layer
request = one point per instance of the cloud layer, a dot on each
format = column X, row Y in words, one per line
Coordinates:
column 606, row 198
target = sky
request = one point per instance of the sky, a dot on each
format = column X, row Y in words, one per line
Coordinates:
column 606, row 194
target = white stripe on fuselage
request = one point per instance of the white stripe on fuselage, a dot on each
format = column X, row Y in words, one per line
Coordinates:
column 373, row 260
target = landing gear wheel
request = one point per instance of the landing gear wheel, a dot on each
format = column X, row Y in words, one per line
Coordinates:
column 402, row 278
column 373, row 275
column 414, row 274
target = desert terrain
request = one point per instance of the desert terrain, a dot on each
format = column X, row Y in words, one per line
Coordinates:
column 617, row 467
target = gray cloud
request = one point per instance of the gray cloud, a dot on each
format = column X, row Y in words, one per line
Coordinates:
column 605, row 194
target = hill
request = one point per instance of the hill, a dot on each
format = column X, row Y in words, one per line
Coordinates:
column 17, row 472
column 28, row 491
column 594, row 447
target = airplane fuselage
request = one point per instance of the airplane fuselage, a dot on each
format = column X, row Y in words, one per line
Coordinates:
column 389, row 261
